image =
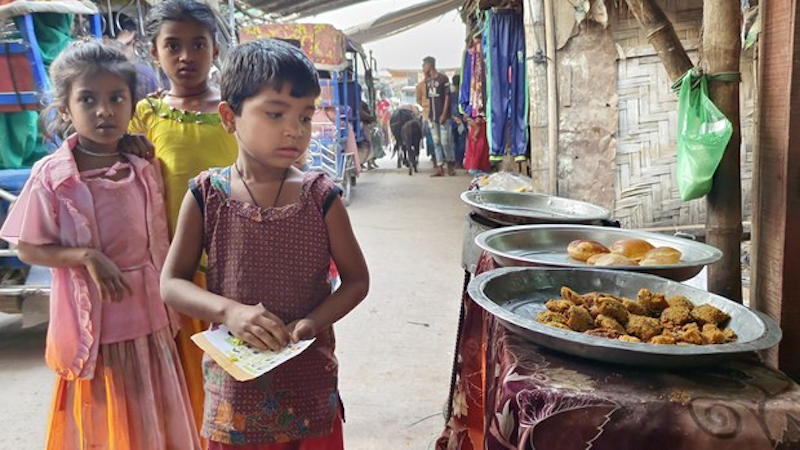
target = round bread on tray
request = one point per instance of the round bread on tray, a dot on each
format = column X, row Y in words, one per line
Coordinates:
column 583, row 249
column 632, row 248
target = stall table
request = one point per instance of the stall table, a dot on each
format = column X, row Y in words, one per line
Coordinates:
column 512, row 394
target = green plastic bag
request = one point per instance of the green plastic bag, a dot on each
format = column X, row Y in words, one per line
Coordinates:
column 703, row 135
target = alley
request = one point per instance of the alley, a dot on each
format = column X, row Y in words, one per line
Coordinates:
column 395, row 350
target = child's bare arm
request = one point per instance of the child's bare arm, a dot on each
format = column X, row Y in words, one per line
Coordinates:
column 352, row 268
column 253, row 324
column 109, row 279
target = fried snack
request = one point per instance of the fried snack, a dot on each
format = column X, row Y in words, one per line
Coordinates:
column 634, row 249
column 690, row 336
column 676, row 316
column 574, row 297
column 602, row 332
column 661, row 256
column 614, row 308
column 550, row 316
column 662, row 340
column 558, row 325
column 559, row 305
column 712, row 334
column 645, row 328
column 579, row 319
column 706, row 313
column 651, row 318
column 583, row 249
column 652, row 301
column 730, row 336
column 609, row 323
column 613, row 260
column 634, row 307
column 682, row 301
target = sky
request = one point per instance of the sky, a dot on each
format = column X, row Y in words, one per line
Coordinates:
column 442, row 37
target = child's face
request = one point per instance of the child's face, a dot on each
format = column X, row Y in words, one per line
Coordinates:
column 99, row 107
column 274, row 127
column 185, row 51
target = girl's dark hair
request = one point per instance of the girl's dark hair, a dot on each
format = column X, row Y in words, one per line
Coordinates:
column 179, row 11
column 79, row 58
column 266, row 63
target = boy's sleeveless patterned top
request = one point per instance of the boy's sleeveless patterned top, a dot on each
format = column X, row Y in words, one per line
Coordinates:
column 279, row 257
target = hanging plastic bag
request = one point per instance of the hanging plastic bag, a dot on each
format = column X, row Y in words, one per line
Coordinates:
column 703, row 135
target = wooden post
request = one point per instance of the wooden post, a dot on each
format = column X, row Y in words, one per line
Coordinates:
column 552, row 94
column 662, row 36
column 776, row 179
column 721, row 52
column 537, row 79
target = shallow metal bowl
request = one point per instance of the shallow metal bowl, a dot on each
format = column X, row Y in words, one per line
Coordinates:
column 515, row 208
column 546, row 245
column 515, row 295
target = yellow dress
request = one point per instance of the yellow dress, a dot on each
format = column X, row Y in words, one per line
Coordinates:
column 186, row 143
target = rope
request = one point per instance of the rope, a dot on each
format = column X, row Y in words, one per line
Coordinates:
column 721, row 77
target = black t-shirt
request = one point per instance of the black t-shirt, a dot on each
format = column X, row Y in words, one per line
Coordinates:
column 438, row 91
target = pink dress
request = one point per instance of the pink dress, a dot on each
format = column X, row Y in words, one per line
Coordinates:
column 120, row 386
column 279, row 257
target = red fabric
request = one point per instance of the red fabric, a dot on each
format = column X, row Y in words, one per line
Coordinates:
column 477, row 154
column 333, row 441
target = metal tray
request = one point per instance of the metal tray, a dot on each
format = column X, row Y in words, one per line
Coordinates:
column 546, row 246
column 515, row 295
column 516, row 208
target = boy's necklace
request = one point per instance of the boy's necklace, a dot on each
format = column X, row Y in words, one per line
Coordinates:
column 85, row 151
column 247, row 188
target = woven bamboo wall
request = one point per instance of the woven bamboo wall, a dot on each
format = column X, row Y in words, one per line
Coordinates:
column 646, row 189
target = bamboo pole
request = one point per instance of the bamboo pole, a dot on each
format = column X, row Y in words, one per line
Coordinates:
column 722, row 51
column 552, row 94
column 661, row 36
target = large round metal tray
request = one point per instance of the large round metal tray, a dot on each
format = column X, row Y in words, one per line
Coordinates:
column 515, row 295
column 546, row 245
column 515, row 208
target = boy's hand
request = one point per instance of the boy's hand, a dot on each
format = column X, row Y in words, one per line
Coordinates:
column 303, row 329
column 106, row 275
column 137, row 144
column 257, row 326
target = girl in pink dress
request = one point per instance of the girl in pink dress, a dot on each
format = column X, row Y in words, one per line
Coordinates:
column 270, row 232
column 96, row 217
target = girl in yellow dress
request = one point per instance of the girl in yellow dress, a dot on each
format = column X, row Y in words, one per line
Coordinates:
column 184, row 125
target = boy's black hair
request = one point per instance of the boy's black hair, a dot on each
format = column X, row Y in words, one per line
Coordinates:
column 179, row 11
column 266, row 63
column 431, row 60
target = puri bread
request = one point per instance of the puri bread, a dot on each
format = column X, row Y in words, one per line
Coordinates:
column 583, row 249
column 593, row 260
column 632, row 248
column 614, row 259
column 661, row 256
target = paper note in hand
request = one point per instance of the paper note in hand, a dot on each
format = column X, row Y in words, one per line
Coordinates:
column 243, row 362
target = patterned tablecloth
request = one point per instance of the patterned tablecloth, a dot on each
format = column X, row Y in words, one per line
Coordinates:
column 512, row 394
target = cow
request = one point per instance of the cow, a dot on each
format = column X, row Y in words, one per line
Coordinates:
column 411, row 137
column 399, row 118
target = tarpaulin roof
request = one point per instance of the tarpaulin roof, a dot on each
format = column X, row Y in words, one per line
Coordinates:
column 401, row 20
column 12, row 8
column 301, row 8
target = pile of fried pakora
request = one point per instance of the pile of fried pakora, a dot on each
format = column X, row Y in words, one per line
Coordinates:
column 651, row 318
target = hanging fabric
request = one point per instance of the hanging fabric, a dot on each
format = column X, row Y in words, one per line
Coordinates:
column 507, row 92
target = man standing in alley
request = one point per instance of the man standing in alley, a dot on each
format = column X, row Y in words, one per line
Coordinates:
column 438, row 87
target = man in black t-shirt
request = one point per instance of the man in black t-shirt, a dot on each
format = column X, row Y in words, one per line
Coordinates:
column 438, row 92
